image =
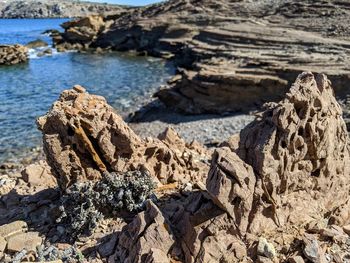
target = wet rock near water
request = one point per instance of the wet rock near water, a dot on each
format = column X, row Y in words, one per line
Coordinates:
column 13, row 54
column 36, row 44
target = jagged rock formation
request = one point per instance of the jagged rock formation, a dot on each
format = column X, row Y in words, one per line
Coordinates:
column 146, row 239
column 278, row 193
column 236, row 54
column 13, row 54
column 80, row 31
column 289, row 174
column 83, row 137
column 54, row 9
column 300, row 145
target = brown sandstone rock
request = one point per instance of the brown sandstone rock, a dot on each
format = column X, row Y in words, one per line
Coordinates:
column 13, row 228
column 236, row 54
column 13, row 54
column 80, row 31
column 147, row 237
column 232, row 182
column 298, row 152
column 83, row 137
column 292, row 149
column 156, row 256
column 37, row 43
column 288, row 170
column 3, row 244
column 28, row 241
column 39, row 174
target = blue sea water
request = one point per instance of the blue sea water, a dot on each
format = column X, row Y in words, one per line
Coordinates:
column 28, row 90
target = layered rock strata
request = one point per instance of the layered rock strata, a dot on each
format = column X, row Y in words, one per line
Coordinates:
column 234, row 55
column 13, row 54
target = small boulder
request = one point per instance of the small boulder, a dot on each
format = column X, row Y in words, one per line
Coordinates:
column 37, row 43
column 266, row 249
column 13, row 54
column 39, row 174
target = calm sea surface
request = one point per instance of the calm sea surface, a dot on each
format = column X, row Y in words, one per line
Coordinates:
column 28, row 90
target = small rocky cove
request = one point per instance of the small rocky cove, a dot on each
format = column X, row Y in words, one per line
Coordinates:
column 241, row 156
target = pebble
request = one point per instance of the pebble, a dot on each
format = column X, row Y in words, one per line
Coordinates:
column 312, row 250
column 266, row 249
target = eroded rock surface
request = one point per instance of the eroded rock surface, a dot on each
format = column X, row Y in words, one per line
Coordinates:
column 83, row 137
column 277, row 192
column 146, row 239
column 13, row 54
column 288, row 175
column 234, row 55
column 299, row 150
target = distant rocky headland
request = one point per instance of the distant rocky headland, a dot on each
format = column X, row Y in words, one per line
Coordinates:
column 54, row 9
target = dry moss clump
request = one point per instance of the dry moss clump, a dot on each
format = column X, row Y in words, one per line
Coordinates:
column 84, row 204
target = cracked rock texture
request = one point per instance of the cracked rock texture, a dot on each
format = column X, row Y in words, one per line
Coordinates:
column 232, row 55
column 83, row 137
column 13, row 54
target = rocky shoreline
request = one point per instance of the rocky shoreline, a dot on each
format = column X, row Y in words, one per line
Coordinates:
column 232, row 56
column 55, row 9
column 275, row 192
column 214, row 187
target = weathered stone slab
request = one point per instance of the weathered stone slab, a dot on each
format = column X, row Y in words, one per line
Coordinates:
column 12, row 228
